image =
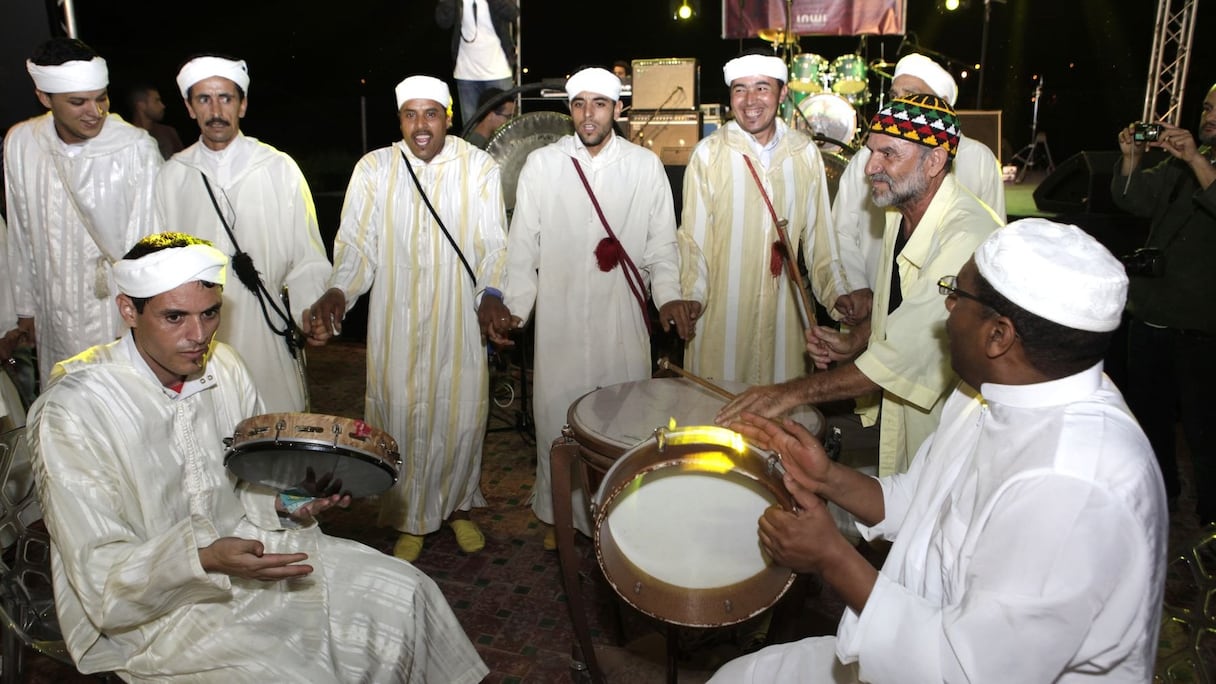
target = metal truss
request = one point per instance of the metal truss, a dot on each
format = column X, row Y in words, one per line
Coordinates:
column 1171, row 57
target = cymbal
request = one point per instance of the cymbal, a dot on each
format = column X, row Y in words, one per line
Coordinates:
column 882, row 73
column 881, row 64
column 772, row 35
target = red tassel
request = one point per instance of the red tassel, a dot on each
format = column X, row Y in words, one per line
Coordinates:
column 608, row 254
column 777, row 260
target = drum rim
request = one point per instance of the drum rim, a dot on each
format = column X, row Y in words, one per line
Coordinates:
column 391, row 450
column 359, row 456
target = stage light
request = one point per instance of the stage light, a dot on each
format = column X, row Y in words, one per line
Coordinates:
column 953, row 5
column 683, row 10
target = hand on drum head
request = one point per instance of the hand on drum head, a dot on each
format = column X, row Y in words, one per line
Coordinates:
column 683, row 314
column 247, row 559
column 855, row 306
column 802, row 455
column 496, row 321
column 768, row 401
column 827, row 345
column 323, row 319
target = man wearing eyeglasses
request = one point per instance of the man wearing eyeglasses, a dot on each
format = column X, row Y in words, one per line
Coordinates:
column 1033, row 521
column 933, row 226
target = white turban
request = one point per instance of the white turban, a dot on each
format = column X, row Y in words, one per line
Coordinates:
column 938, row 79
column 594, row 80
column 1057, row 272
column 423, row 88
column 159, row 272
column 755, row 65
column 201, row 68
column 76, row 76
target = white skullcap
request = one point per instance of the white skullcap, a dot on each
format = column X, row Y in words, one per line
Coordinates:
column 76, row 76
column 938, row 79
column 423, row 88
column 1057, row 272
column 755, row 65
column 594, row 80
column 201, row 68
column 159, row 272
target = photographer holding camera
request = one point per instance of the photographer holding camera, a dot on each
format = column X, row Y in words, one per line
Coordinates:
column 1171, row 363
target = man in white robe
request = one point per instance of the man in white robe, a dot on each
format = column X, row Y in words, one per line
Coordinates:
column 848, row 257
column 427, row 365
column 78, row 182
column 591, row 326
column 1029, row 536
column 737, row 179
column 166, row 566
column 12, row 412
column 267, row 205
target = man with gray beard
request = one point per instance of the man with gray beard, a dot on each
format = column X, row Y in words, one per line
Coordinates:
column 933, row 225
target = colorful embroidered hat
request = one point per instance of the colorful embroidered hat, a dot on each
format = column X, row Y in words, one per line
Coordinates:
column 924, row 119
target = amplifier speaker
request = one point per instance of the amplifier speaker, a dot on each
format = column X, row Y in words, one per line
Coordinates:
column 671, row 136
column 665, row 84
column 983, row 125
column 1081, row 184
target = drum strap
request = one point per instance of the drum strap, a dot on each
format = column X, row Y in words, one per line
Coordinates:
column 610, row 252
column 418, row 184
column 778, row 256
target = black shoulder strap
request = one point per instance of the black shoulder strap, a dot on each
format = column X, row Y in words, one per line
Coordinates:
column 446, row 234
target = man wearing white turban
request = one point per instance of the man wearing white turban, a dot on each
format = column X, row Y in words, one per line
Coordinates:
column 244, row 195
column 1033, row 521
column 422, row 229
column 751, row 173
column 166, row 566
column 584, row 309
column 847, row 258
column 78, row 182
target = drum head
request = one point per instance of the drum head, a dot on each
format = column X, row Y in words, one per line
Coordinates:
column 285, row 465
column 831, row 119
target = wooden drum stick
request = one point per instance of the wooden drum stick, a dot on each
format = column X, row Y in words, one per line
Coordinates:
column 791, row 264
column 665, row 364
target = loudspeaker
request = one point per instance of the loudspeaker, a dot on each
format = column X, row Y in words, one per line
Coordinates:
column 1081, row 184
column 671, row 136
column 983, row 125
column 665, row 84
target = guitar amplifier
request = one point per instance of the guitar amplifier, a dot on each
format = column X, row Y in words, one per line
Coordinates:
column 669, row 135
column 665, row 84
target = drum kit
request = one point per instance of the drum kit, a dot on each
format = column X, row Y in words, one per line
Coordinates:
column 826, row 97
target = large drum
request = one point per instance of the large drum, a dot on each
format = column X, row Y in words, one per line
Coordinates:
column 809, row 74
column 289, row 451
column 830, row 119
column 850, row 79
column 675, row 522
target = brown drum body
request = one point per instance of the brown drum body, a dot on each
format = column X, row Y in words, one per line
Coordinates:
column 675, row 522
column 282, row 450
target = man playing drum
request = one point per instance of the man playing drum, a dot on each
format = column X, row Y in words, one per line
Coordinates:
column 1029, row 536
column 422, row 228
column 592, row 235
column 166, row 566
column 901, row 348
column 751, row 173
column 847, row 257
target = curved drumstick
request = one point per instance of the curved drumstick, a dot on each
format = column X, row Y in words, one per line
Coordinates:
column 666, row 364
column 791, row 263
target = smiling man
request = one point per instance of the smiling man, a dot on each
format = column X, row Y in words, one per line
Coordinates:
column 242, row 194
column 586, row 307
column 79, row 186
column 933, row 226
column 422, row 229
column 750, row 173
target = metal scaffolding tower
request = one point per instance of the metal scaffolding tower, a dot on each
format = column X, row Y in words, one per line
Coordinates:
column 1173, row 34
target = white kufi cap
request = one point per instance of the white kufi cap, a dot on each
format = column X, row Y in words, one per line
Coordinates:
column 594, row 80
column 1055, row 271
column 755, row 65
column 932, row 73
column 423, row 88
column 76, row 76
column 201, row 68
column 159, row 272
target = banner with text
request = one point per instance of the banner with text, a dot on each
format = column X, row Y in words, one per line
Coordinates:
column 747, row 18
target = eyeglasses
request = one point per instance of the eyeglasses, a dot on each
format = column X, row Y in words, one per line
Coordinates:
column 946, row 285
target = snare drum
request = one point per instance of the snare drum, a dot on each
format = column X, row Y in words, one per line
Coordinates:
column 831, row 119
column 809, row 74
column 675, row 527
column 849, row 78
column 280, row 450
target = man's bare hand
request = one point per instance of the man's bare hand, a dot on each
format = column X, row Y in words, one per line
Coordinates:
column 768, row 401
column 855, row 306
column 246, row 558
column 683, row 314
column 323, row 320
column 496, row 321
column 827, row 345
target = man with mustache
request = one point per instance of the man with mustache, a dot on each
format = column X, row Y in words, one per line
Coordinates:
column 422, row 229
column 246, row 196
column 901, row 348
column 1170, row 367
column 588, row 308
column 78, row 181
column 166, row 566
column 751, row 173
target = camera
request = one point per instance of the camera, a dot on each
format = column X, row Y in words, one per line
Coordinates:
column 1148, row 262
column 1146, row 132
